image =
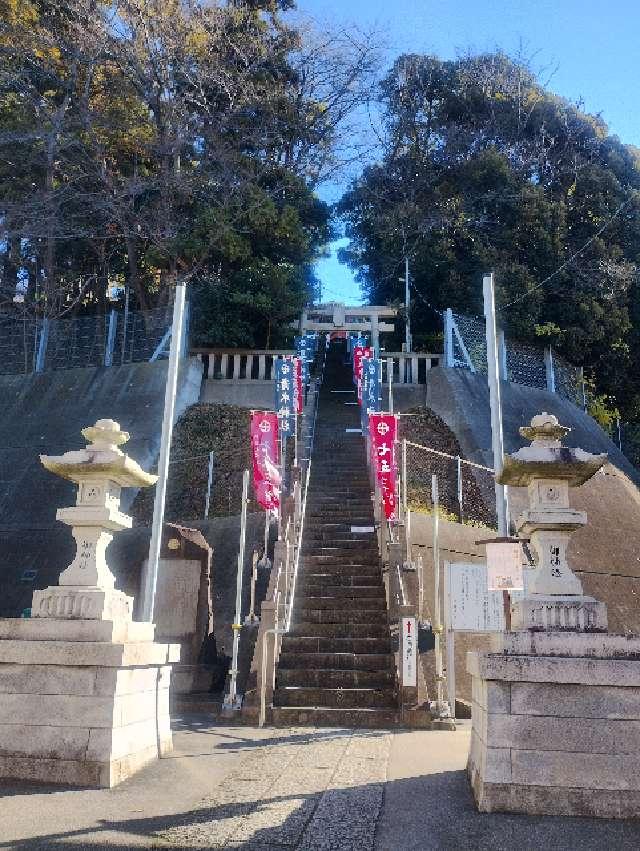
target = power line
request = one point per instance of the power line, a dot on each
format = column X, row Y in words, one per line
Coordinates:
column 571, row 259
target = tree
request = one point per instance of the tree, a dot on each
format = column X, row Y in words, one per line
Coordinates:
column 145, row 142
column 483, row 168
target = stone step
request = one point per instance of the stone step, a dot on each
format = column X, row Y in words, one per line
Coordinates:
column 348, row 592
column 340, row 698
column 363, row 719
column 308, row 629
column 321, row 548
column 343, row 557
column 335, row 678
column 335, row 660
column 305, row 646
column 342, row 568
column 339, row 616
column 361, row 604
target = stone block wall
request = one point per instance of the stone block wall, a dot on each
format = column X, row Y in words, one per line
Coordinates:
column 555, row 735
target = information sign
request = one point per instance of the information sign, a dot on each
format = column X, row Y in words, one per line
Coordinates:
column 409, row 652
column 471, row 607
column 504, row 566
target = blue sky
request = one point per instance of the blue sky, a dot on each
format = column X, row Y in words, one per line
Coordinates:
column 590, row 49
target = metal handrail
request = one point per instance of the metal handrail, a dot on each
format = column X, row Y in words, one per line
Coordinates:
column 451, row 457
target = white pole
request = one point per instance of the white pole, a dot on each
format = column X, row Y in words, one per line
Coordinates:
column 405, row 503
column 407, row 302
column 493, row 378
column 209, row 483
column 437, row 616
column 230, row 700
column 151, row 575
column 451, row 644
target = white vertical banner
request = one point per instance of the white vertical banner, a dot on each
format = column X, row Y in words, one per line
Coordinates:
column 409, row 652
column 504, row 566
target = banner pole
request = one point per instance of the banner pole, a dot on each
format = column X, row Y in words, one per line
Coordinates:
column 231, row 699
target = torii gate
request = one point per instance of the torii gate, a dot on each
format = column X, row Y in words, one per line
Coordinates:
column 335, row 316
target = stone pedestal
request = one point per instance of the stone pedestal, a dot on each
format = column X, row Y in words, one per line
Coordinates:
column 556, row 725
column 82, row 702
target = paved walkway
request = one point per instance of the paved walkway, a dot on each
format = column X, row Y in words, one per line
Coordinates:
column 302, row 789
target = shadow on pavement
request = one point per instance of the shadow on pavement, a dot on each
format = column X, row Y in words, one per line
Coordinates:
column 428, row 812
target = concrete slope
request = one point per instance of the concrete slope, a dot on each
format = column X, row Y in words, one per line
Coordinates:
column 462, row 400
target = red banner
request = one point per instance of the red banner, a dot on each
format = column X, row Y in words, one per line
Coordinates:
column 383, row 431
column 359, row 353
column 264, row 452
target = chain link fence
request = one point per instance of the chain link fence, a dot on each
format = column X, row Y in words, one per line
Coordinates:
column 18, row 345
column 30, row 345
column 522, row 363
column 199, row 487
column 466, row 490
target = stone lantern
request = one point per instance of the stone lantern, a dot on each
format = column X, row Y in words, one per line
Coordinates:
column 86, row 588
column 555, row 598
column 84, row 689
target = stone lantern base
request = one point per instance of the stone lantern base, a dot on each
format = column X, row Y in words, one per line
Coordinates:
column 82, row 702
column 556, row 724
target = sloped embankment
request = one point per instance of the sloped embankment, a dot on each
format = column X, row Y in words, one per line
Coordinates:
column 426, row 428
column 204, row 428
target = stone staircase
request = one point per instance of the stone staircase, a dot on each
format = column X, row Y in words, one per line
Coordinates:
column 336, row 666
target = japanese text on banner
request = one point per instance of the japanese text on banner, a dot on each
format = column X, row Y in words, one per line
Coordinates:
column 264, row 455
column 383, row 431
column 371, row 388
column 359, row 353
column 286, row 395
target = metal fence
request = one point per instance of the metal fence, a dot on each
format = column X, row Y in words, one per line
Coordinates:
column 522, row 363
column 466, row 489
column 38, row 345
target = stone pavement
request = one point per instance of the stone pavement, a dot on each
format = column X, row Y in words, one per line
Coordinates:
column 298, row 788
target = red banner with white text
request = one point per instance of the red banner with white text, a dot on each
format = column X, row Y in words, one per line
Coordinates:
column 264, row 453
column 383, row 431
column 359, row 353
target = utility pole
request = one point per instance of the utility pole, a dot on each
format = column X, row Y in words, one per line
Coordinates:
column 407, row 302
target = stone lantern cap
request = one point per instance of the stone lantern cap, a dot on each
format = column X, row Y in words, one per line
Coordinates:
column 102, row 456
column 547, row 458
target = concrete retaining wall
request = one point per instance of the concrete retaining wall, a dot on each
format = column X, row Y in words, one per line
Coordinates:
column 462, row 400
column 44, row 414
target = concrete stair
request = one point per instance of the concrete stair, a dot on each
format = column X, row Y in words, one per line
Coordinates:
column 336, row 666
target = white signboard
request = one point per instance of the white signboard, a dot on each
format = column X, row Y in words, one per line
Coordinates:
column 471, row 607
column 409, row 652
column 504, row 566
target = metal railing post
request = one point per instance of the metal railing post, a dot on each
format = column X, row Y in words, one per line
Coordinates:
column 207, row 501
column 448, row 338
column 549, row 369
column 459, row 475
column 111, row 339
column 251, row 617
column 42, row 345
